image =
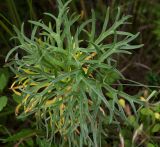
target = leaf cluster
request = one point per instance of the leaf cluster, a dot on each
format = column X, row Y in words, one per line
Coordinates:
column 64, row 77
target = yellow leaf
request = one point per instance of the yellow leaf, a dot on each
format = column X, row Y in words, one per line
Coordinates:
column 28, row 71
column 50, row 102
column 13, row 84
column 91, row 56
column 122, row 102
column 27, row 96
column 16, row 92
column 25, row 82
column 82, row 14
column 157, row 115
column 78, row 54
column 31, row 106
column 62, row 106
column 33, row 84
column 142, row 99
column 17, row 109
column 50, row 118
column 85, row 70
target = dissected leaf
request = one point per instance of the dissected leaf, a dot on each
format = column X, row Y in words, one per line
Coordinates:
column 64, row 73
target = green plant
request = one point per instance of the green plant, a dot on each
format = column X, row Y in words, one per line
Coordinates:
column 63, row 77
column 144, row 129
column 4, row 77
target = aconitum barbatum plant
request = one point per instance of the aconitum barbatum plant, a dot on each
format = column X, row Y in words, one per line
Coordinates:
column 64, row 74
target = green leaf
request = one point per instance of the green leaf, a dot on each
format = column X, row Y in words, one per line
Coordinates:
column 25, row 133
column 4, row 77
column 146, row 111
column 150, row 145
column 17, row 98
column 131, row 119
column 111, row 77
column 6, row 28
column 30, row 142
column 3, row 102
column 156, row 128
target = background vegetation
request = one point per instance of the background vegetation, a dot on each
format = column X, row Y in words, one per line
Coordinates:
column 142, row 66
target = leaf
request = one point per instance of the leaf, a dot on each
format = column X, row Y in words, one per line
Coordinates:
column 93, row 26
column 150, row 145
column 3, row 102
column 17, row 98
column 25, row 133
column 30, row 142
column 111, row 77
column 132, row 121
column 4, row 77
column 105, row 21
column 156, row 128
column 146, row 111
column 122, row 102
column 5, row 27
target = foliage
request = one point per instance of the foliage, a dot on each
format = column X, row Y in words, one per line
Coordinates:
column 134, row 129
column 7, row 117
column 4, row 77
column 3, row 102
column 63, row 77
column 145, row 127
